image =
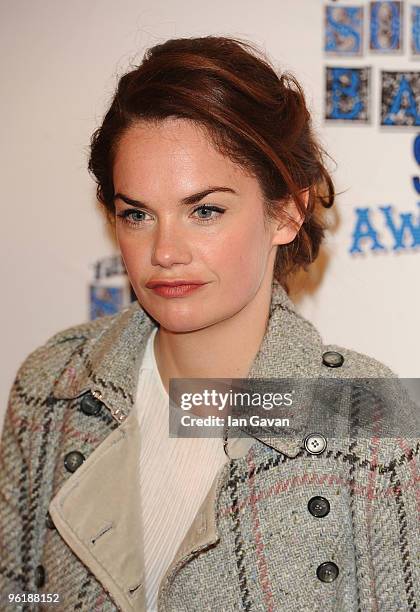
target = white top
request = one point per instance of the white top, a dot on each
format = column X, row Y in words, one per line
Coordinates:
column 175, row 475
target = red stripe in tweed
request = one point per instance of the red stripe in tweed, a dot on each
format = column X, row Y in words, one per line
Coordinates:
column 71, row 432
column 262, row 564
column 330, row 480
column 99, row 602
column 301, row 481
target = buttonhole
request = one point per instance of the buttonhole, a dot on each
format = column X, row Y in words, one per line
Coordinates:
column 102, row 532
column 133, row 591
column 202, row 527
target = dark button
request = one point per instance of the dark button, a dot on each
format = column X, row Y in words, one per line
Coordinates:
column 332, row 359
column 318, row 506
column 49, row 522
column 327, row 572
column 73, row 460
column 90, row 405
column 39, row 576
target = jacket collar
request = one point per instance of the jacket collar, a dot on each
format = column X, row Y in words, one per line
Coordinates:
column 108, row 365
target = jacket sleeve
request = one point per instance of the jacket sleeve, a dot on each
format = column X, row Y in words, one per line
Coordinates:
column 14, row 492
column 22, row 450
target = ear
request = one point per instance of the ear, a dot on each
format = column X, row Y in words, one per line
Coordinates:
column 284, row 230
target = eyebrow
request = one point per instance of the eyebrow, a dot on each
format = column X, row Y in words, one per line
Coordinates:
column 187, row 201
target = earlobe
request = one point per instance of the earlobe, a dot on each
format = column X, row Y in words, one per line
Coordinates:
column 291, row 222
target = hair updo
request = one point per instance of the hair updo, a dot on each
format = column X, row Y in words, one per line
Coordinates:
column 257, row 118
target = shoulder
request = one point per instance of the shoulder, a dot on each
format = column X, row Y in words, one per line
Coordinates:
column 64, row 340
column 47, row 361
column 381, row 397
column 39, row 374
column 354, row 364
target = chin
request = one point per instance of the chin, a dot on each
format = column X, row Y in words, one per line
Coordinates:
column 179, row 325
column 185, row 319
column 175, row 319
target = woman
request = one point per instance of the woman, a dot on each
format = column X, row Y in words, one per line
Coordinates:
column 207, row 164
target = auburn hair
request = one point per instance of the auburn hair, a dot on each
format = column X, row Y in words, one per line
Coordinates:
column 253, row 115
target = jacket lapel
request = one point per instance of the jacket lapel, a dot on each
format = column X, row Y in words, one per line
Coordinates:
column 97, row 510
column 97, row 513
column 106, row 536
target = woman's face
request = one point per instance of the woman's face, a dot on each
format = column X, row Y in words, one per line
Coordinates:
column 218, row 239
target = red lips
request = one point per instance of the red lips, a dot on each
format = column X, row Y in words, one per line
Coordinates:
column 172, row 283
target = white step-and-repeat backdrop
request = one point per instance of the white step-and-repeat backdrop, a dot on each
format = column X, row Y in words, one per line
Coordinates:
column 359, row 65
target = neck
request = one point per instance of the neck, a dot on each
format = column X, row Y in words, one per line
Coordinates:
column 223, row 350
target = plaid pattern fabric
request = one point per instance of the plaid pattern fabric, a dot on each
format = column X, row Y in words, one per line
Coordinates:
column 268, row 546
column 38, row 432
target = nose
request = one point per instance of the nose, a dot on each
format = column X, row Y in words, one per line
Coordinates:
column 170, row 245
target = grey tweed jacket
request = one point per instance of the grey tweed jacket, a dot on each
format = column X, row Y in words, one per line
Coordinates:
column 281, row 529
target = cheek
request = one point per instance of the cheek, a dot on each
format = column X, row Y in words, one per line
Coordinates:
column 245, row 250
column 132, row 253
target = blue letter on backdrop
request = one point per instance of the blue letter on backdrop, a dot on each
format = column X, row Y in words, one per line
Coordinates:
column 347, row 93
column 363, row 230
column 385, row 26
column 406, row 227
column 343, row 30
column 415, row 30
column 400, row 108
column 416, row 179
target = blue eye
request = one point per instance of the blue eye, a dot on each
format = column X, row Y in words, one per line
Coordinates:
column 133, row 216
column 206, row 209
